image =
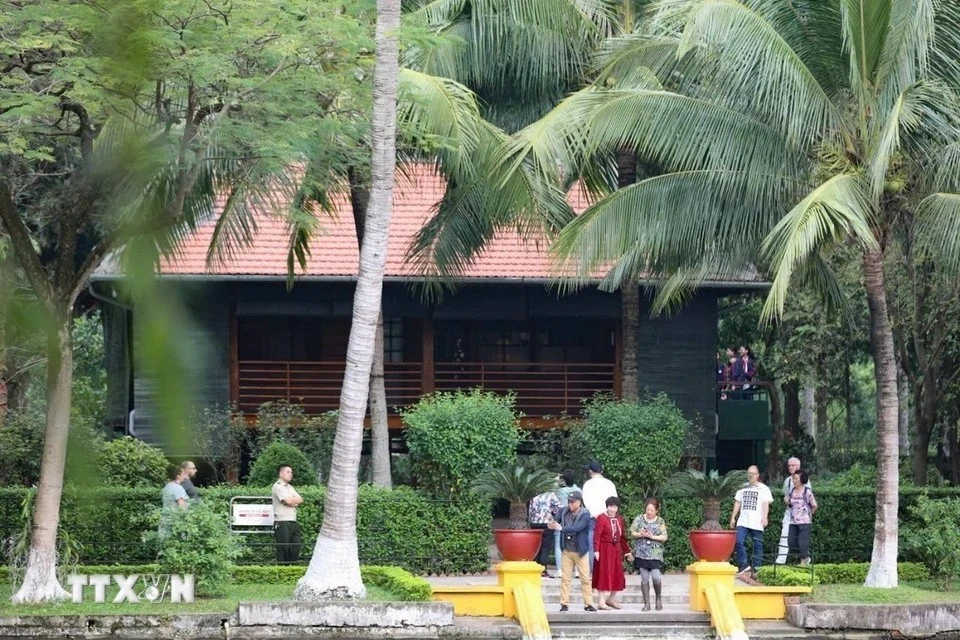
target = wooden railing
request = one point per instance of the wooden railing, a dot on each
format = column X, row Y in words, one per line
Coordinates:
column 540, row 388
column 316, row 385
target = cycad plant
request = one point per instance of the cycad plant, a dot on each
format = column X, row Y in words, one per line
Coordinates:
column 517, row 484
column 711, row 488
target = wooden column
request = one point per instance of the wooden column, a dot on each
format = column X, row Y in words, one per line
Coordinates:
column 426, row 357
column 234, row 357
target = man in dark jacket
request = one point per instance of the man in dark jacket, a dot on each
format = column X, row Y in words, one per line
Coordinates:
column 573, row 523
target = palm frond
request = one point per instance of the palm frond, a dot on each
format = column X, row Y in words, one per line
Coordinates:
column 710, row 486
column 836, row 210
column 938, row 228
column 514, row 483
column 755, row 60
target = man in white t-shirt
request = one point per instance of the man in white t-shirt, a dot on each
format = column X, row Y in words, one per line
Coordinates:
column 596, row 490
column 752, row 504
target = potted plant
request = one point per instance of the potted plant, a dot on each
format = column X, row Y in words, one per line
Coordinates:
column 516, row 484
column 711, row 542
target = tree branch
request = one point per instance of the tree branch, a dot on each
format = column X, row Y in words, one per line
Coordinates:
column 85, row 132
column 23, row 245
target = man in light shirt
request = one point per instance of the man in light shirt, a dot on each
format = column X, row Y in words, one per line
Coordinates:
column 286, row 531
column 596, row 490
column 752, row 505
column 793, row 465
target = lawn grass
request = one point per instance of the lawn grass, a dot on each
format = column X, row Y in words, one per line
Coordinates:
column 906, row 593
column 228, row 604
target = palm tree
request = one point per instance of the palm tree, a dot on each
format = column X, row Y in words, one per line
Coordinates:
column 517, row 484
column 783, row 129
column 710, row 488
column 334, row 569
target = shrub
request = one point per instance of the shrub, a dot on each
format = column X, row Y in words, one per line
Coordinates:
column 21, row 445
column 263, row 472
column 128, row 462
column 404, row 585
column 639, row 444
column 935, row 536
column 843, row 573
column 198, row 541
column 454, row 437
column 399, row 527
column 285, row 422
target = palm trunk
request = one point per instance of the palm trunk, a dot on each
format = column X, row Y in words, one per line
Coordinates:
column 379, row 429
column 924, row 418
column 629, row 301
column 630, row 353
column 883, row 560
column 40, row 581
column 334, row 570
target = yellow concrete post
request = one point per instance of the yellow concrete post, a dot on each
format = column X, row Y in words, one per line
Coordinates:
column 513, row 574
column 704, row 574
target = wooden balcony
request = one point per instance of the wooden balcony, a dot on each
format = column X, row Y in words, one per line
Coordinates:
column 541, row 389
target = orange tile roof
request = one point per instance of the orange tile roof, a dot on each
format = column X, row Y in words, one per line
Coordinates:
column 334, row 251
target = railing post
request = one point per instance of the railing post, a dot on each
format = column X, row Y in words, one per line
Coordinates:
column 566, row 387
column 288, row 382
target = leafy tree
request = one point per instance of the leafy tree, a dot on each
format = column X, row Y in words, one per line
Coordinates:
column 263, row 472
column 128, row 462
column 851, row 123
column 119, row 126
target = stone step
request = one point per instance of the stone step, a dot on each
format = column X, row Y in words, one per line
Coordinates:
column 671, row 615
column 643, row 632
column 627, row 597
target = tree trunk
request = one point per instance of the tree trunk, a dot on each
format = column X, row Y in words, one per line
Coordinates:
column 821, row 401
column 629, row 302
column 334, row 570
column 518, row 516
column 40, row 580
column 883, row 560
column 903, row 419
column 630, row 353
column 808, row 410
column 379, row 428
column 925, row 420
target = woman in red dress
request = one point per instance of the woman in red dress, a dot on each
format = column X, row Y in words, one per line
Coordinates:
column 609, row 547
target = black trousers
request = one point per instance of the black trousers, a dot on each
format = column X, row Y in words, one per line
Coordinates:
column 798, row 539
column 546, row 543
column 286, row 534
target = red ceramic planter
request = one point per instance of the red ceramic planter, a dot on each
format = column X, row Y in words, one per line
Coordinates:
column 518, row 544
column 712, row 546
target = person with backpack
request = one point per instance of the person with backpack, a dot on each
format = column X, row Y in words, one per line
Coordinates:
column 802, row 505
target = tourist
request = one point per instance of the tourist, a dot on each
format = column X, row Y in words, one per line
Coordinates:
column 568, row 485
column 573, row 523
column 189, row 470
column 751, row 508
column 596, row 490
column 609, row 547
column 802, row 507
column 286, row 531
column 649, row 533
column 542, row 510
column 173, row 495
column 793, row 465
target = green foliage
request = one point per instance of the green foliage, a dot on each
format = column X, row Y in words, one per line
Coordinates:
column 198, row 540
column 843, row 573
column 263, row 472
column 562, row 448
column 404, row 585
column 21, row 444
column 454, row 437
column 639, row 444
column 514, row 483
column 935, row 537
column 399, row 527
column 706, row 486
column 128, row 462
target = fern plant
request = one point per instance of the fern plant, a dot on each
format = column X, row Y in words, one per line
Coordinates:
column 710, row 488
column 516, row 484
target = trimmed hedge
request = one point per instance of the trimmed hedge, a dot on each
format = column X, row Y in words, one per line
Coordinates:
column 403, row 528
column 845, row 573
column 399, row 527
column 399, row 582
